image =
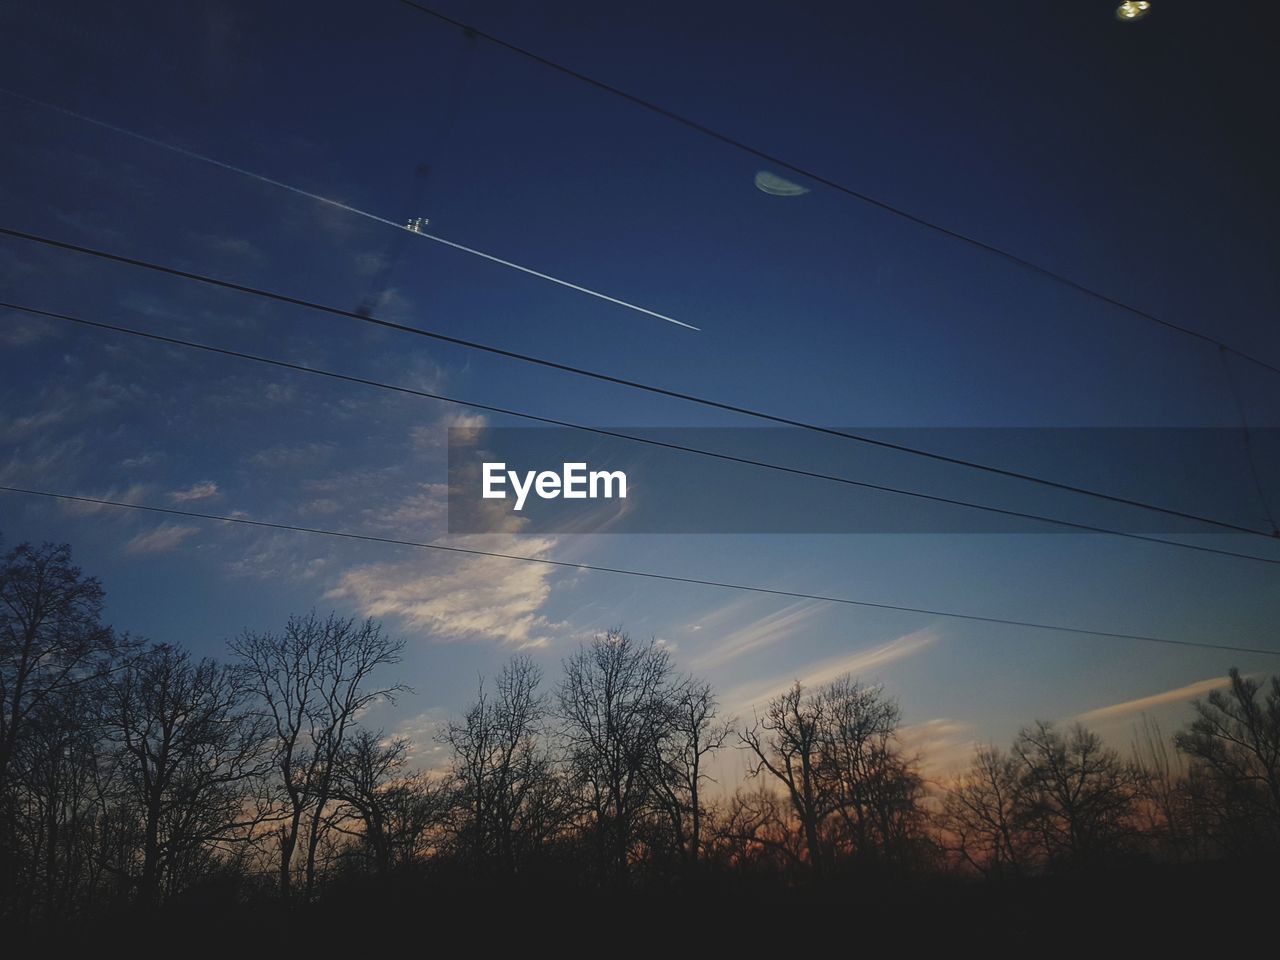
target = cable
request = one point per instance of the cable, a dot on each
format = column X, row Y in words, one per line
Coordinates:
column 472, row 32
column 1246, row 437
column 633, row 384
column 600, row 431
column 833, row 184
column 347, row 208
column 649, row 575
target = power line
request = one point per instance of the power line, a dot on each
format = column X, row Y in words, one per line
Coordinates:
column 646, row 574
column 621, row 381
column 724, row 138
column 347, row 208
column 1246, row 436
column 600, row 431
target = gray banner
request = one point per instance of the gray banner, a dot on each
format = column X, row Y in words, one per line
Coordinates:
column 572, row 481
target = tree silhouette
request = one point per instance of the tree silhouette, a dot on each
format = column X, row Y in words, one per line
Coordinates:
column 52, row 641
column 1234, row 746
column 612, row 705
column 983, row 814
column 787, row 743
column 1078, row 795
column 185, row 743
column 506, row 787
column 313, row 679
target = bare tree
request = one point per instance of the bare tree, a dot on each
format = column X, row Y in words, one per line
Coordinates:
column 54, row 800
column 52, row 640
column 755, row 831
column 613, row 711
column 185, row 743
column 417, row 809
column 787, row 742
column 1234, row 747
column 504, row 778
column 982, row 812
column 835, row 752
column 365, row 773
column 314, row 679
column 1167, row 818
column 875, row 790
column 1079, row 795
column 693, row 732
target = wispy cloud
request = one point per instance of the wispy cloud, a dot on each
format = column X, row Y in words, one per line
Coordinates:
column 758, row 634
column 21, row 329
column 204, row 490
column 148, row 459
column 425, row 750
column 163, row 538
column 741, row 699
column 295, row 456
column 461, row 598
column 466, row 428
column 136, row 493
column 942, row 744
column 1143, row 704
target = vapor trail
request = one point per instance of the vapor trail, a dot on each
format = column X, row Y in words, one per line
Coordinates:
column 341, row 206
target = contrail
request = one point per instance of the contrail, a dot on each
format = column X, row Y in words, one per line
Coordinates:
column 342, row 206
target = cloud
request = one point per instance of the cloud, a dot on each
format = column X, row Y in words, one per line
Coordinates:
column 160, row 540
column 148, row 459
column 19, row 428
column 393, row 304
column 21, row 329
column 137, row 493
column 279, row 393
column 278, row 556
column 757, row 634
column 742, row 698
column 459, row 597
column 422, row 730
column 291, row 456
column 943, row 745
column 426, row 509
column 459, row 427
column 203, row 490
column 1143, row 704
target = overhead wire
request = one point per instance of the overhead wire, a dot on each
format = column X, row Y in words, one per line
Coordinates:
column 621, row 381
column 646, row 574
column 616, row 434
column 826, row 181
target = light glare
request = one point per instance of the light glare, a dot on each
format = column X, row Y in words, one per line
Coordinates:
column 1132, row 10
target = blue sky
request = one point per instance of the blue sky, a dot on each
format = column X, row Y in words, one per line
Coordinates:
column 1126, row 156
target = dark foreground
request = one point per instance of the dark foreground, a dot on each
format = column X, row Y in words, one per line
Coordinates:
column 1232, row 905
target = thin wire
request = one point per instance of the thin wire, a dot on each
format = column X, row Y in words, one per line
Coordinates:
column 649, row 575
column 600, row 431
column 828, row 182
column 345, row 207
column 633, row 384
column 1246, row 435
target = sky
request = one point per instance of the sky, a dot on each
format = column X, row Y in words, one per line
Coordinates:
column 1129, row 157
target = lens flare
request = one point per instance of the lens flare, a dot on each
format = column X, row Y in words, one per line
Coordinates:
column 1133, row 10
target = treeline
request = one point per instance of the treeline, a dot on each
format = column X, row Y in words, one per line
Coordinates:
column 134, row 775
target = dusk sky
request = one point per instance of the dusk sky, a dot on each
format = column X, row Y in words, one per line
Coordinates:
column 1128, row 157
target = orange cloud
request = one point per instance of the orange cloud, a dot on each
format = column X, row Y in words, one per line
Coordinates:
column 1143, row 704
